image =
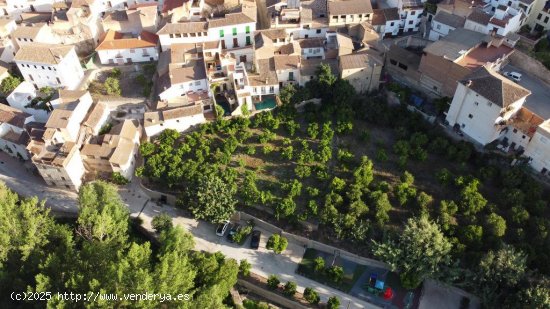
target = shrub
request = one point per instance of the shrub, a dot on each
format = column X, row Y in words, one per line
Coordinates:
column 290, row 289
column 335, row 273
column 287, row 152
column 333, row 303
column 273, row 282
column 313, row 130
column 115, row 73
column 112, row 86
column 162, row 222
column 344, row 155
column 277, row 243
column 318, row 264
column 311, row 296
column 302, row 171
column 381, row 155
column 250, row 150
column 118, row 179
column 244, row 268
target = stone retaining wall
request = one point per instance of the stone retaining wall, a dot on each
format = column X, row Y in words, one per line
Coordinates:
column 531, row 65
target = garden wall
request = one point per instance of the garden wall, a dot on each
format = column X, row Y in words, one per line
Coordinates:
column 155, row 195
column 529, row 64
column 276, row 298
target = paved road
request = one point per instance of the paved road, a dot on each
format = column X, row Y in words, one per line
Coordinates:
column 263, row 262
column 539, row 100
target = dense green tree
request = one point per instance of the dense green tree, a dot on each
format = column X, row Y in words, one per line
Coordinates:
column 382, row 206
column 335, row 273
column 499, row 270
column 112, row 86
column 496, row 225
column 285, row 208
column 420, row 252
column 102, row 214
column 319, row 264
column 471, row 200
column 212, row 199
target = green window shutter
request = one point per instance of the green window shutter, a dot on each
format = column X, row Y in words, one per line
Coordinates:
column 234, row 31
column 248, row 41
column 247, row 29
column 221, row 33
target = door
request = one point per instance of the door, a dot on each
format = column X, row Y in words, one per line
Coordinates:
column 235, row 42
column 223, row 44
column 243, row 58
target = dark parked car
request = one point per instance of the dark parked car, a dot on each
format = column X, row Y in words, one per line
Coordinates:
column 255, row 241
column 234, row 229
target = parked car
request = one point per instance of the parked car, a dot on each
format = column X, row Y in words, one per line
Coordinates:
column 255, row 241
column 234, row 229
column 222, row 228
column 515, row 76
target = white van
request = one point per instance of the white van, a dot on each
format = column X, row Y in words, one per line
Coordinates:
column 515, row 76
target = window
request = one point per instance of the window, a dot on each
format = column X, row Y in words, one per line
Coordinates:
column 58, row 80
column 343, row 16
column 438, row 27
column 509, row 3
column 540, row 16
column 290, row 75
column 413, row 12
column 271, row 89
column 470, row 116
column 132, row 51
column 391, row 24
column 197, row 83
column 546, row 19
column 402, row 66
column 523, row 136
column 515, row 131
column 221, row 33
column 463, row 126
column 234, row 31
column 247, row 29
column 489, row 104
column 318, row 31
column 393, row 62
column 410, row 22
column 476, row 103
column 43, row 68
column 248, row 41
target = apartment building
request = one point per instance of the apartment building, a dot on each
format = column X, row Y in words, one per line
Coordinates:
column 25, row 35
column 70, row 110
column 51, row 65
column 538, row 149
column 124, row 48
column 15, row 8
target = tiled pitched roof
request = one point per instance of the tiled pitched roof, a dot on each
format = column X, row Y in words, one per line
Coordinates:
column 43, row 53
column 494, row 87
column 229, row 20
column 448, row 19
column 344, row 7
column 117, row 40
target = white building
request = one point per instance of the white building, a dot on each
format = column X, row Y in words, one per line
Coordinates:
column 350, row 12
column 179, row 119
column 8, row 48
column 287, row 69
column 362, row 70
column 60, row 164
column 13, row 136
column 503, row 20
column 119, row 48
column 483, row 104
column 386, row 21
column 49, row 65
column 21, row 98
column 443, row 23
column 70, row 110
column 25, row 35
column 538, row 149
column 14, row 8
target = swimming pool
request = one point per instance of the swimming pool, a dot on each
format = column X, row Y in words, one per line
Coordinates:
column 266, row 103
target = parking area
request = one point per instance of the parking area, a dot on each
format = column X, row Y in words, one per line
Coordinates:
column 539, row 100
